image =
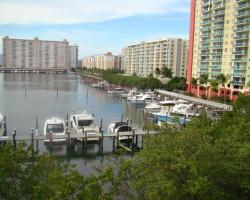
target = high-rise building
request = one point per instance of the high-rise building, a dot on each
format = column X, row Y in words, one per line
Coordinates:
column 219, row 41
column 73, row 56
column 143, row 58
column 103, row 61
column 35, row 54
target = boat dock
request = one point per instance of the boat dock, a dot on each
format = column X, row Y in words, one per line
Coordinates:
column 195, row 100
column 72, row 137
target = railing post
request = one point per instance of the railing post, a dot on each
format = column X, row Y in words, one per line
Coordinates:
column 133, row 138
column 122, row 118
column 50, row 139
column 14, row 138
column 32, row 139
column 68, row 136
column 117, row 139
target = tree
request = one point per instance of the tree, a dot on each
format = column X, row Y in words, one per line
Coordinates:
column 157, row 71
column 204, row 80
column 167, row 72
column 25, row 175
column 222, row 79
column 214, row 84
column 204, row 160
column 194, row 81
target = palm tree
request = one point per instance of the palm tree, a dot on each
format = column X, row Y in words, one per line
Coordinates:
column 214, row 84
column 222, row 79
column 194, row 81
column 157, row 71
column 204, row 80
column 166, row 72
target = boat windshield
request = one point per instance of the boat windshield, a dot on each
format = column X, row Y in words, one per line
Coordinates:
column 82, row 123
column 55, row 128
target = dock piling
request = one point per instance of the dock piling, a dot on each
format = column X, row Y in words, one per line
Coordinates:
column 133, row 138
column 14, row 138
column 68, row 136
column 100, row 129
column 117, row 139
column 32, row 139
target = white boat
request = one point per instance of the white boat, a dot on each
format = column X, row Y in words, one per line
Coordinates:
column 83, row 122
column 131, row 93
column 56, row 127
column 184, row 109
column 141, row 99
column 167, row 102
column 100, row 84
column 122, row 128
column 152, row 107
column 116, row 91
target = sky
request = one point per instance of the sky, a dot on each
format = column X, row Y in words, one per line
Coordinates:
column 96, row 26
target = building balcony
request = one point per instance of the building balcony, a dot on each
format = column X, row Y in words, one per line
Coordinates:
column 217, row 47
column 243, row 6
column 243, row 21
column 240, row 52
column 219, row 13
column 240, row 60
column 243, row 14
column 206, row 16
column 218, row 33
column 242, row 44
column 241, row 37
column 242, row 29
column 215, row 27
column 219, row 19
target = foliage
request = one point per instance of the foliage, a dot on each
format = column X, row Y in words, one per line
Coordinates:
column 157, row 71
column 214, row 84
column 132, row 81
column 177, row 83
column 222, row 79
column 204, row 79
column 167, row 72
column 25, row 175
column 194, row 81
column 204, row 160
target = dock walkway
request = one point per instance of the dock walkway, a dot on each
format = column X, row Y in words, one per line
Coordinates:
column 196, row 100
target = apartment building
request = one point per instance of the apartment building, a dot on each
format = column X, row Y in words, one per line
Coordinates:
column 219, row 41
column 143, row 58
column 103, row 61
column 73, row 56
column 35, row 54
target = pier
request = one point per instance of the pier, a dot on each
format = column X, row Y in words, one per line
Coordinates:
column 33, row 70
column 195, row 100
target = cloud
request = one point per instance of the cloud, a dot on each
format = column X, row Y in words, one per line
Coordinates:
column 83, row 11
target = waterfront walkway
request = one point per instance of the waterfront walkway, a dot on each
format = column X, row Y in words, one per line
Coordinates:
column 212, row 104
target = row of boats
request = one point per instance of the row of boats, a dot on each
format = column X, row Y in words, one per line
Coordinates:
column 81, row 123
column 170, row 111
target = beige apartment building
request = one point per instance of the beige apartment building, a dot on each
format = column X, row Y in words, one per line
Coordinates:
column 103, row 61
column 35, row 54
column 219, row 41
column 73, row 56
column 143, row 58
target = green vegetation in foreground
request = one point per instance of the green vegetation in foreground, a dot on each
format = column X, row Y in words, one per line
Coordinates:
column 204, row 160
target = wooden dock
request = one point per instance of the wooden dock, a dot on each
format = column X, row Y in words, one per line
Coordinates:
column 72, row 137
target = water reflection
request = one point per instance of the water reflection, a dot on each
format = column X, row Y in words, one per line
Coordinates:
column 23, row 96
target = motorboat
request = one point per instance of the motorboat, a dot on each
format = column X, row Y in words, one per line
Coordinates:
column 168, row 102
column 122, row 128
column 83, row 122
column 116, row 91
column 56, row 127
column 100, row 84
column 184, row 109
column 141, row 99
column 152, row 107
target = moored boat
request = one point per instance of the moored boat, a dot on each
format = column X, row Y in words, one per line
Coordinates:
column 122, row 128
column 54, row 127
column 83, row 122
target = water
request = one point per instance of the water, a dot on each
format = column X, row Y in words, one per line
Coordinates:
column 22, row 96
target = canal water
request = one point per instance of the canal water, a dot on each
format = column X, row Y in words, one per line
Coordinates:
column 25, row 95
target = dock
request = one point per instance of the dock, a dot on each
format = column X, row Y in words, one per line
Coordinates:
column 72, row 137
column 195, row 100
